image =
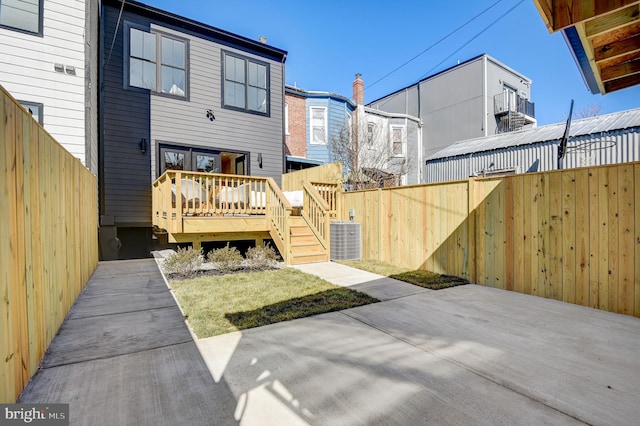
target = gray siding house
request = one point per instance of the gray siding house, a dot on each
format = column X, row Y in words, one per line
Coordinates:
column 178, row 94
column 478, row 97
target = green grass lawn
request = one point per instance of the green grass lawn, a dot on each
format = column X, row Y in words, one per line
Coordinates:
column 418, row 277
column 222, row 304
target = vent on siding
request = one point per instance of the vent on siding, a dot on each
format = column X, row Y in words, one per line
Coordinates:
column 346, row 241
column 500, row 172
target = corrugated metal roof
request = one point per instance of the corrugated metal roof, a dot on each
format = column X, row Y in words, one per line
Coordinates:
column 585, row 126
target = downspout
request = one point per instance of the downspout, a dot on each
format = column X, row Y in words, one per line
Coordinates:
column 420, row 157
column 421, row 127
column 284, row 129
column 484, row 95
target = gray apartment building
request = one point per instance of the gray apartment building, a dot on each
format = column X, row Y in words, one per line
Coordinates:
column 475, row 98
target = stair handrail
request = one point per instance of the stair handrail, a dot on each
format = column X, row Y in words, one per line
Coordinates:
column 278, row 212
column 317, row 214
column 330, row 193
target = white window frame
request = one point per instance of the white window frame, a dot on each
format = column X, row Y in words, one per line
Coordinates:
column 311, row 127
column 403, row 133
column 286, row 119
column 350, row 127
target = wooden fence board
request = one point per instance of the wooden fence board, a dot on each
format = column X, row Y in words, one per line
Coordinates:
column 603, row 257
column 518, row 234
column 481, row 230
column 612, row 257
column 581, row 190
column 498, row 221
column 7, row 379
column 594, row 239
column 528, row 251
column 636, row 310
column 626, row 243
column 568, row 237
column 509, row 237
column 554, row 290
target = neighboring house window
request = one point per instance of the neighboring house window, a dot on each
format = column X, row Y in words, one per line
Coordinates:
column 246, row 84
column 157, row 62
column 371, row 127
column 318, row 125
column 397, row 140
column 350, row 128
column 22, row 15
column 34, row 108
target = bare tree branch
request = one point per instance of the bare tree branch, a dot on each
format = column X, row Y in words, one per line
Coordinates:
column 372, row 152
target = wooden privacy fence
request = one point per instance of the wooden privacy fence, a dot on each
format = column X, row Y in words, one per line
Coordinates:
column 571, row 235
column 329, row 173
column 48, row 241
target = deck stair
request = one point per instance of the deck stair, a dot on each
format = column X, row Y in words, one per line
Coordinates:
column 304, row 246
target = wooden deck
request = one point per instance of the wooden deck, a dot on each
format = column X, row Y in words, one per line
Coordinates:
column 197, row 207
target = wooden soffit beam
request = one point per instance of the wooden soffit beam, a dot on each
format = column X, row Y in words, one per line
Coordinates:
column 560, row 14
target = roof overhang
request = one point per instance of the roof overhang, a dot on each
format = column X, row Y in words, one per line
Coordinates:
column 603, row 36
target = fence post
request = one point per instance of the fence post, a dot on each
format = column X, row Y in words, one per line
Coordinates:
column 379, row 223
column 471, row 237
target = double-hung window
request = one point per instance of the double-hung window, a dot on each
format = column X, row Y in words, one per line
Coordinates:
column 318, row 117
column 397, row 140
column 246, row 84
column 157, row 62
column 22, row 15
column 371, row 127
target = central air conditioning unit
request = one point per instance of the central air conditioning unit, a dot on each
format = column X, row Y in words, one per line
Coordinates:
column 346, row 241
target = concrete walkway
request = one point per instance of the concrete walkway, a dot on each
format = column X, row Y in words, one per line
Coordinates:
column 467, row 355
column 124, row 356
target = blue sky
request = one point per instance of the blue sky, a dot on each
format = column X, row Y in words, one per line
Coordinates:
column 329, row 41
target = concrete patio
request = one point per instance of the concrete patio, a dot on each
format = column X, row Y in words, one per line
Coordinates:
column 465, row 355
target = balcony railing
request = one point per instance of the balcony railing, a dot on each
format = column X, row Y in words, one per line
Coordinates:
column 509, row 101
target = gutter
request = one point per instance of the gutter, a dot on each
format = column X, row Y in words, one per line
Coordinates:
column 393, row 115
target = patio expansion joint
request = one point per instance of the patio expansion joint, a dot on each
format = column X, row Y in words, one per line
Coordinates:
column 125, row 312
column 117, row 355
column 493, row 380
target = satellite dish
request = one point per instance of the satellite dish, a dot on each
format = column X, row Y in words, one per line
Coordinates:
column 562, row 148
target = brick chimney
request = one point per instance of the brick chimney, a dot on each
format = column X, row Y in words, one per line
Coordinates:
column 358, row 90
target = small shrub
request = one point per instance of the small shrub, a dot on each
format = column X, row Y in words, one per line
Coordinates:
column 226, row 259
column 261, row 258
column 185, row 262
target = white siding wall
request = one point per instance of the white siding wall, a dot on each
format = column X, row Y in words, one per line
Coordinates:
column 27, row 71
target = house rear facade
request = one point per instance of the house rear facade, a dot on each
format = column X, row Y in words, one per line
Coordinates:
column 178, row 94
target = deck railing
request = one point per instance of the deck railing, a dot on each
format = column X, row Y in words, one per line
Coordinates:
column 329, row 193
column 317, row 213
column 278, row 211
column 180, row 194
column 207, row 194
